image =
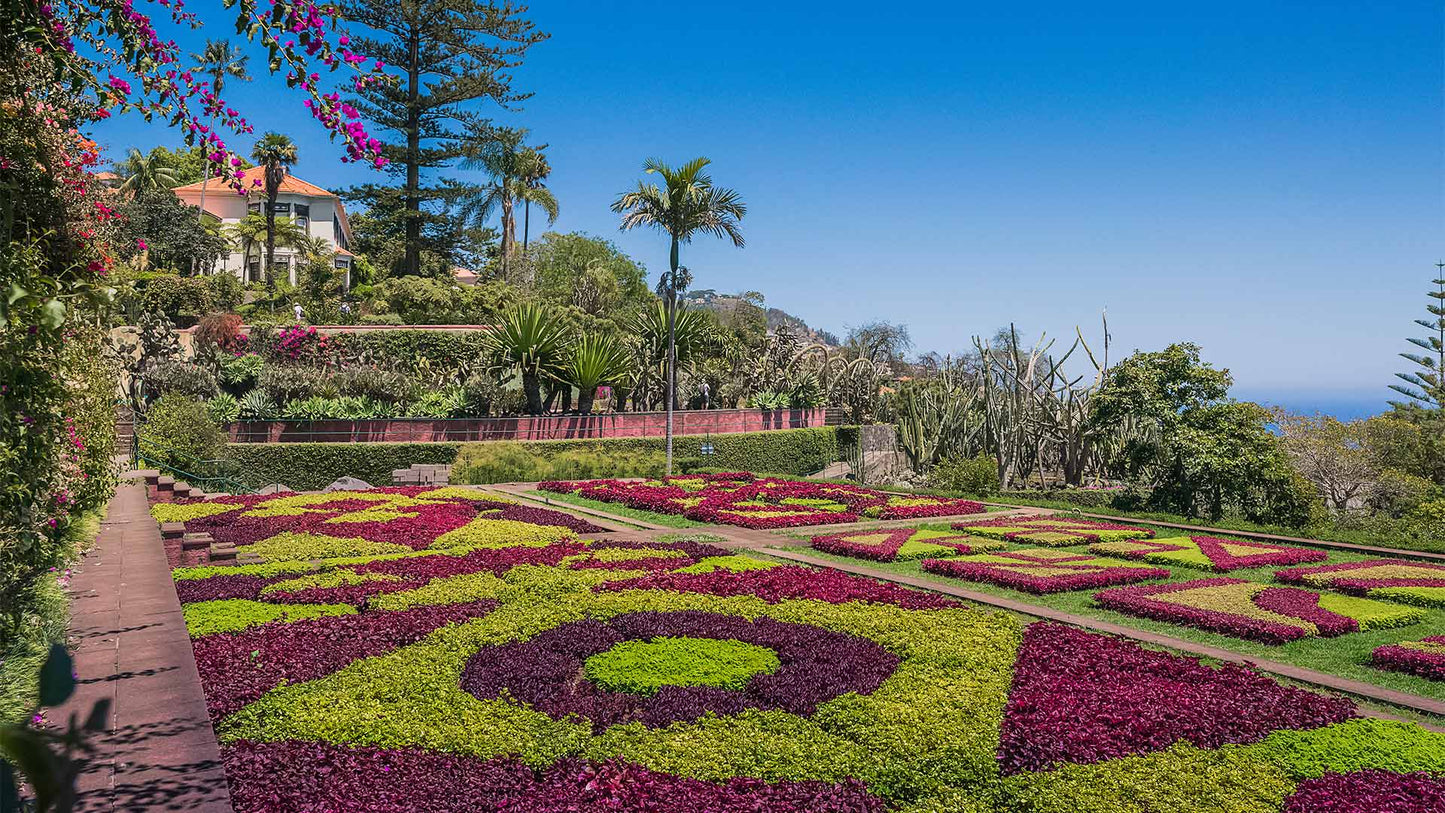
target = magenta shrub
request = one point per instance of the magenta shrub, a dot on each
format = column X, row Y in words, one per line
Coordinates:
column 1369, row 791
column 787, row 582
column 1081, row 697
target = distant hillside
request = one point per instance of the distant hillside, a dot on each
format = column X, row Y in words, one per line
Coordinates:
column 726, row 303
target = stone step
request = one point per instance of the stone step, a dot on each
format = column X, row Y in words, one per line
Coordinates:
column 181, row 490
column 173, row 530
column 245, row 557
column 223, row 552
column 164, row 482
column 196, row 541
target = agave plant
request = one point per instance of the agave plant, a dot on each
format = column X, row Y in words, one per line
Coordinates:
column 769, row 400
column 224, row 408
column 258, row 406
column 314, row 408
column 532, row 339
column 593, row 362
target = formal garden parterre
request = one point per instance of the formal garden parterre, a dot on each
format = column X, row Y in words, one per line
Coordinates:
column 1209, row 552
column 1053, row 531
column 749, row 501
column 891, row 544
column 1419, row 583
column 488, row 662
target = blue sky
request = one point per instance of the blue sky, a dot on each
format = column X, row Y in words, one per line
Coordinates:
column 1264, row 179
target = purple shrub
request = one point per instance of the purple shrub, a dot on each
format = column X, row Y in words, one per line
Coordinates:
column 546, row 670
column 322, row 778
column 1369, row 792
column 788, row 582
column 1081, row 697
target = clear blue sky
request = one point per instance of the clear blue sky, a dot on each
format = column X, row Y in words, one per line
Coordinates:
column 1264, row 179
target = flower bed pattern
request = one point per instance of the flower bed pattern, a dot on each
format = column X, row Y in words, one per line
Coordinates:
column 1053, row 531
column 1079, row 697
column 892, row 544
column 1254, row 611
column 739, row 498
column 1425, row 657
column 1209, row 552
column 1372, row 791
column 1419, row 583
column 1042, row 570
column 549, row 674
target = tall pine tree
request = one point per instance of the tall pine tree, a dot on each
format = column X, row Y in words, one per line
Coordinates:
column 454, row 59
column 1427, row 385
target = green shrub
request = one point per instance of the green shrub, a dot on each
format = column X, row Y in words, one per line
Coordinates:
column 226, row 291
column 240, row 372
column 224, row 409
column 1180, row 779
column 234, row 615
column 178, row 432
column 180, row 378
column 310, row 466
column 1355, row 745
column 643, row 667
column 183, row 299
column 977, row 476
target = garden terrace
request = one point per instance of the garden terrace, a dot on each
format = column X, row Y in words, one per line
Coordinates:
column 524, row 666
column 1052, row 531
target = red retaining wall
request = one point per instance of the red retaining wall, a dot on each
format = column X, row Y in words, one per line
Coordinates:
column 547, row 427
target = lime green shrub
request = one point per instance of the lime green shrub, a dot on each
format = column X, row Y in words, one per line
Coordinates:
column 233, row 615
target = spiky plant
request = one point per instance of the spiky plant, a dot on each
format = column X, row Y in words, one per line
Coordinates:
column 534, row 341
column 596, row 361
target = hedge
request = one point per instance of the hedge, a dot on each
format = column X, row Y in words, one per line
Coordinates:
column 311, row 466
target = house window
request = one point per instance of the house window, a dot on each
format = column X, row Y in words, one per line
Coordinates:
column 303, row 216
column 281, row 208
column 342, row 262
column 253, row 270
column 336, row 236
column 254, row 207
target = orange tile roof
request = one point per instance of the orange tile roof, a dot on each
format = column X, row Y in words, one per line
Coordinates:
column 289, row 183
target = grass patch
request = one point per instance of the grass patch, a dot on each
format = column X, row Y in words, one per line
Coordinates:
column 1346, row 656
column 652, row 517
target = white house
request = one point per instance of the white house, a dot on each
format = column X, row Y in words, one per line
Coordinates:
column 317, row 211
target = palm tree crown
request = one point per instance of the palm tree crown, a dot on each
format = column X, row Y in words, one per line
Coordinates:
column 141, row 173
column 516, row 173
column 274, row 153
column 685, row 205
column 220, row 60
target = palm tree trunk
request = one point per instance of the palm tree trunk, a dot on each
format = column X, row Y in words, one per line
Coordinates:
column 526, row 223
column 270, row 238
column 509, row 232
column 412, row 259
column 671, row 350
column 532, row 387
column 585, row 398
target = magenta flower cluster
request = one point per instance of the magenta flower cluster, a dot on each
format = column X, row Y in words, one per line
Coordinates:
column 787, row 582
column 323, row 778
column 545, row 671
column 1369, row 791
column 1080, row 697
column 238, row 667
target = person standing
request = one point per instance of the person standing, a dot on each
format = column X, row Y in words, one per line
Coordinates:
column 706, row 391
column 300, row 314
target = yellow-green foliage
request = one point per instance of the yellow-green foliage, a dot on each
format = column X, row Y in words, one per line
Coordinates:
column 329, row 578
column 1180, row 779
column 177, row 512
column 643, row 667
column 461, row 493
column 500, row 533
column 447, row 590
column 932, row 724
column 735, row 563
column 290, row 546
column 1355, row 745
column 232, row 615
column 1371, row 614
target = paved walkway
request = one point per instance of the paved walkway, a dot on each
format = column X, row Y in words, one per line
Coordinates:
column 130, row 645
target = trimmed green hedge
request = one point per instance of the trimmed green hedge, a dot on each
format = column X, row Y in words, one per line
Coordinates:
column 311, row 466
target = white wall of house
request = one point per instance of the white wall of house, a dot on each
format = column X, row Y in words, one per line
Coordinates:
column 323, row 218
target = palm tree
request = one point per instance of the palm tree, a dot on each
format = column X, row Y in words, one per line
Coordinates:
column 516, row 173
column 274, row 153
column 142, row 173
column 219, row 60
column 252, row 231
column 532, row 339
column 686, row 205
column 533, row 169
column 595, row 361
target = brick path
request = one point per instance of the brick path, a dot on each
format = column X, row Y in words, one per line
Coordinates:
column 130, row 645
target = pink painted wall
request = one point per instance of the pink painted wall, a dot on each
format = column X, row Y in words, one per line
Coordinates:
column 549, row 427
